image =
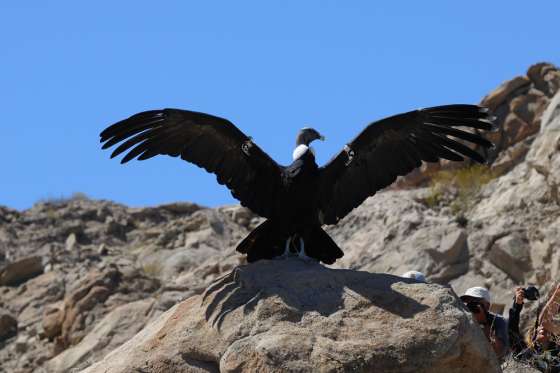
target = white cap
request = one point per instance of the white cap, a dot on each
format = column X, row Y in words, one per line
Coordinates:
column 415, row 275
column 477, row 292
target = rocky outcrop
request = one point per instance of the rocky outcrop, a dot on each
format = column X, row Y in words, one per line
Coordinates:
column 289, row 315
column 518, row 104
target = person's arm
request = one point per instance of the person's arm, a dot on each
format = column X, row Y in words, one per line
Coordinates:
column 516, row 340
column 550, row 310
column 515, row 311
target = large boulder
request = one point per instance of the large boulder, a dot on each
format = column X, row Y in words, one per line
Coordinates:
column 291, row 315
column 21, row 270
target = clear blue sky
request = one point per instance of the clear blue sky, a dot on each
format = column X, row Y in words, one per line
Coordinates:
column 70, row 68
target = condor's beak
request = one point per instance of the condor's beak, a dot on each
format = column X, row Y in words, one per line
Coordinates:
column 322, row 138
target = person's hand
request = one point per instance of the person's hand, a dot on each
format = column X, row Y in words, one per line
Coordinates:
column 519, row 295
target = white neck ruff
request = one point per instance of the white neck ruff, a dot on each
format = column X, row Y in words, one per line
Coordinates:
column 300, row 150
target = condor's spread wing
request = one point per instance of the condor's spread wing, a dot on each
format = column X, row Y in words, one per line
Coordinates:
column 212, row 143
column 395, row 146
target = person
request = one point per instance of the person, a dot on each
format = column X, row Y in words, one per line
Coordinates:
column 543, row 351
column 543, row 347
column 517, row 343
column 477, row 300
column 415, row 275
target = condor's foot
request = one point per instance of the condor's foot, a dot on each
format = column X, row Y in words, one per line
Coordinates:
column 291, row 249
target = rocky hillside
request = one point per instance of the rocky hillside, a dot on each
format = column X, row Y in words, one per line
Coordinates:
column 72, row 272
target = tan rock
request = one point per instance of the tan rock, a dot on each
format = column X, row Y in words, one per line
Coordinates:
column 545, row 77
column 289, row 315
column 499, row 95
column 21, row 270
column 113, row 330
column 92, row 290
column 53, row 317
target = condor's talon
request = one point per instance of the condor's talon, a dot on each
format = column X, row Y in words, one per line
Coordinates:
column 286, row 249
column 301, row 248
column 301, row 252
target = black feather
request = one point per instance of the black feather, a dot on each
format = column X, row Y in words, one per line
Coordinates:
column 475, row 139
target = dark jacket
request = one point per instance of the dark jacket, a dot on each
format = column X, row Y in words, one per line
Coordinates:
column 516, row 342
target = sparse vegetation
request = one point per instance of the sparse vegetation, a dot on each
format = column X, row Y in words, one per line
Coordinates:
column 152, row 269
column 76, row 196
column 458, row 187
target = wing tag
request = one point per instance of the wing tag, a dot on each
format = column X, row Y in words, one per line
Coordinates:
column 350, row 154
column 246, row 146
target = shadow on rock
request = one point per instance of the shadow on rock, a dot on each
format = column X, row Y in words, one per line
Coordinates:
column 295, row 282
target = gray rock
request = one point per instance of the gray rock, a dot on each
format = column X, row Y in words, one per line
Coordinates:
column 71, row 242
column 21, row 344
column 289, row 315
column 551, row 116
column 8, row 325
column 515, row 366
column 511, row 254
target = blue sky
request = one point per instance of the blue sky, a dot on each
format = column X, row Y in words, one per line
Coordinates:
column 70, row 68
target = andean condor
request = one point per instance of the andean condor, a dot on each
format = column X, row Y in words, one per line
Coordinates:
column 298, row 199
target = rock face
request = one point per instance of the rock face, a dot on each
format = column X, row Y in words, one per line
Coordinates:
column 289, row 315
column 100, row 261
column 98, row 256
column 518, row 104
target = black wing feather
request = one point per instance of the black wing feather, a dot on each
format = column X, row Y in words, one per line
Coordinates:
column 395, row 146
column 210, row 142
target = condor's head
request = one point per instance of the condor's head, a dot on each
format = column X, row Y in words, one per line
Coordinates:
column 305, row 137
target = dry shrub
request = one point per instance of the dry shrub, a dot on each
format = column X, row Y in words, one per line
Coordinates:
column 458, row 188
column 152, row 269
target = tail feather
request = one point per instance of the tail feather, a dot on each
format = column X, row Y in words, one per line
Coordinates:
column 262, row 243
column 319, row 245
column 268, row 241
